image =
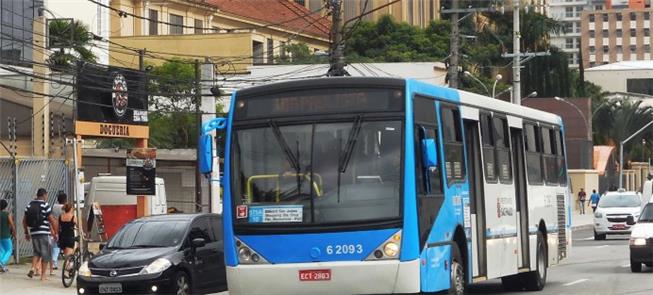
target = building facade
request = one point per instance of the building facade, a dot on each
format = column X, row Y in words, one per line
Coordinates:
column 610, row 36
column 249, row 32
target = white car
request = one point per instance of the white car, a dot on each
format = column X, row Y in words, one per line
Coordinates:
column 641, row 240
column 613, row 211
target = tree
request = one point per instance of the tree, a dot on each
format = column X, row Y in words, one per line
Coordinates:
column 73, row 40
column 298, row 53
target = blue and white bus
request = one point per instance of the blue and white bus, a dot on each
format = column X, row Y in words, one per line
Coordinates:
column 380, row 185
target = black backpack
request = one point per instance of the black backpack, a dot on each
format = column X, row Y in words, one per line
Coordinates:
column 34, row 215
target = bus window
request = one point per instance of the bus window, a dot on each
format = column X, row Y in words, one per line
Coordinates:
column 533, row 160
column 428, row 180
column 502, row 149
column 560, row 157
column 488, row 148
column 453, row 144
column 548, row 156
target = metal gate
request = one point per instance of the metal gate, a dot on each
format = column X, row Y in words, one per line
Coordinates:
column 32, row 174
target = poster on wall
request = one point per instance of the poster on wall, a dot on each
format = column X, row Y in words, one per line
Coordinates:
column 108, row 94
column 141, row 171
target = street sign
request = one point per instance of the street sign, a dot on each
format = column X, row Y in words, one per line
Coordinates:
column 141, row 171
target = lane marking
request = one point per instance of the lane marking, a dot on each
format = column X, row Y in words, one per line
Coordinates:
column 575, row 282
column 625, row 265
column 602, row 246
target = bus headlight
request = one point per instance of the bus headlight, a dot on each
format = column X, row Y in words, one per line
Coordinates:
column 248, row 256
column 391, row 249
column 244, row 254
column 637, row 241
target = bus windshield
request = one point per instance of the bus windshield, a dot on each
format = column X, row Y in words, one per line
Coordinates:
column 317, row 173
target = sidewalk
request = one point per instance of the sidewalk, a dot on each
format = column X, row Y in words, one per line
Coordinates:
column 585, row 221
column 16, row 282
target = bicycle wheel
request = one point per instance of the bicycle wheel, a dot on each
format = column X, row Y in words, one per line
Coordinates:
column 68, row 271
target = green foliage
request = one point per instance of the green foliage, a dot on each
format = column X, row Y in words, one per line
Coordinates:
column 389, row 41
column 298, row 53
column 73, row 40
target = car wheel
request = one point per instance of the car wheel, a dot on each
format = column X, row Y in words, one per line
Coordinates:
column 535, row 280
column 599, row 237
column 457, row 272
column 649, row 264
column 182, row 284
column 635, row 266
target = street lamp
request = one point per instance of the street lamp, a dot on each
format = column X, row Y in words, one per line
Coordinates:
column 468, row 74
column 494, row 87
column 621, row 152
column 530, row 95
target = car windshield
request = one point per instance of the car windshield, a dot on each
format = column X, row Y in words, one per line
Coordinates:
column 647, row 214
column 317, row 173
column 149, row 234
column 619, row 200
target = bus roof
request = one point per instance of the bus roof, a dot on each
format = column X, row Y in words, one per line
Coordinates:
column 480, row 101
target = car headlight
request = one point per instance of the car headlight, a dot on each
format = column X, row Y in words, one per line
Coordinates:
column 637, row 241
column 598, row 215
column 156, row 266
column 391, row 249
column 84, row 270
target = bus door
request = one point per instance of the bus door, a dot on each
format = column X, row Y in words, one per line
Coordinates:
column 521, row 196
column 476, row 200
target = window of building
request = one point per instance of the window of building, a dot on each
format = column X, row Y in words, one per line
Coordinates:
column 176, row 24
column 647, row 15
column 647, row 32
column 578, row 10
column 300, row 2
column 591, row 18
column 592, row 34
column 633, row 16
column 577, row 26
column 606, row 49
column 257, row 52
column 569, row 11
column 453, row 144
column 592, row 64
column 620, row 49
column 532, row 140
column 568, row 27
column 619, row 33
column 605, row 34
column 633, row 32
column 647, row 48
column 643, row 86
column 569, row 43
column 199, row 26
column 619, row 17
column 592, row 49
column 282, row 50
column 270, row 50
column 605, row 17
column 154, row 22
column 633, row 48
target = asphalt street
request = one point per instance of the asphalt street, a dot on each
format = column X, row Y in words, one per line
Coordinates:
column 595, row 267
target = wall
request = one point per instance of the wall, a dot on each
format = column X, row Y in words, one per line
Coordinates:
column 586, row 179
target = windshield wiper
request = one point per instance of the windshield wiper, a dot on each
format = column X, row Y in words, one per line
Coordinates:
column 343, row 160
column 146, row 246
column 290, row 157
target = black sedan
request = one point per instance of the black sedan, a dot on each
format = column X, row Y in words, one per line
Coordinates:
column 162, row 254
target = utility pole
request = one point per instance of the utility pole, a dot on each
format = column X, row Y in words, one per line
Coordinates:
column 198, row 120
column 208, row 108
column 141, row 59
column 336, row 51
column 455, row 47
column 516, row 60
column 40, row 104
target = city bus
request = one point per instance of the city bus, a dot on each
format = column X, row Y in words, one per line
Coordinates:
column 381, row 185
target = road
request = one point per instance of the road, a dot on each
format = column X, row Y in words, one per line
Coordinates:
column 595, row 267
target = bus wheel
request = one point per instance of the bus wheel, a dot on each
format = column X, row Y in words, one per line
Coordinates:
column 535, row 280
column 457, row 270
column 512, row 283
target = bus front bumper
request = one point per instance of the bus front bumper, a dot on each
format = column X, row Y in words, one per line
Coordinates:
column 351, row 277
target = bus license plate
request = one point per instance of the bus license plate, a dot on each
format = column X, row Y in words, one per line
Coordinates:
column 315, row 275
column 110, row 288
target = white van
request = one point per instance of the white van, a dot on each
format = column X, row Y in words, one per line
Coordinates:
column 647, row 191
column 117, row 207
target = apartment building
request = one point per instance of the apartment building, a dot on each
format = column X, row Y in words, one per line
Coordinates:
column 610, row 36
column 569, row 12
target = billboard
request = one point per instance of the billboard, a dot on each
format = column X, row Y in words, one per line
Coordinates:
column 141, row 171
column 108, row 94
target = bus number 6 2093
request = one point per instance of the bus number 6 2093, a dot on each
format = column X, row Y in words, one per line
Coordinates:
column 344, row 249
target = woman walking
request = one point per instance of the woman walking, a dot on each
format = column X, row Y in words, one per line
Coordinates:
column 67, row 230
column 7, row 234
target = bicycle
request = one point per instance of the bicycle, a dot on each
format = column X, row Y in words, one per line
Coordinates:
column 72, row 263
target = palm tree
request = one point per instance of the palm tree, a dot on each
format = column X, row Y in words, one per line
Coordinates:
column 73, row 40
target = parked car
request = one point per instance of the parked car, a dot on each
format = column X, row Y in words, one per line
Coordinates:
column 613, row 210
column 161, row 254
column 641, row 239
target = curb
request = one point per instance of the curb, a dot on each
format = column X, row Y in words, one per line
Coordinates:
column 582, row 227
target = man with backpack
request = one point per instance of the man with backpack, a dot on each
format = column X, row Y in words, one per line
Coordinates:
column 41, row 224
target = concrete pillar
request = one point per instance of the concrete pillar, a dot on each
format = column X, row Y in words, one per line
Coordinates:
column 41, row 88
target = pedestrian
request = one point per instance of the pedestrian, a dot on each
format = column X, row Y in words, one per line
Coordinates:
column 581, row 198
column 62, row 198
column 39, row 225
column 7, row 234
column 67, row 224
column 594, row 200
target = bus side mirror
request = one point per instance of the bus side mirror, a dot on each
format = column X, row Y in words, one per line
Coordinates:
column 429, row 156
column 630, row 220
column 205, row 158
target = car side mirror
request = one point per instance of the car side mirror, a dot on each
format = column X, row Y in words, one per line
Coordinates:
column 429, row 156
column 198, row 242
column 101, row 246
column 630, row 220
